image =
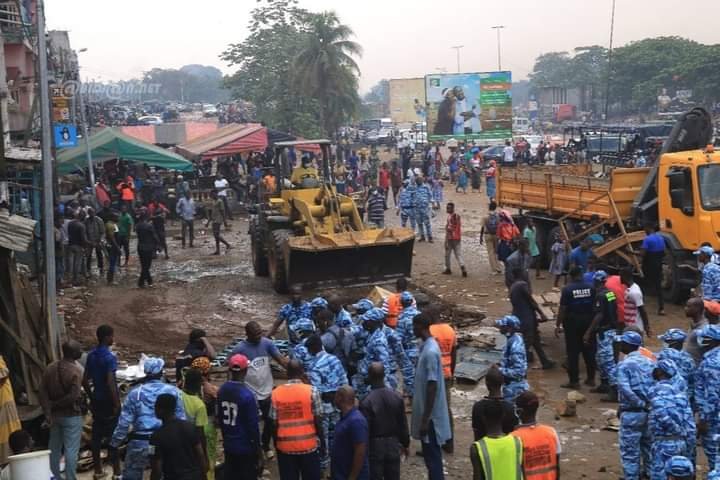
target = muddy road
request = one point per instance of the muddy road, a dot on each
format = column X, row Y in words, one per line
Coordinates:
column 220, row 294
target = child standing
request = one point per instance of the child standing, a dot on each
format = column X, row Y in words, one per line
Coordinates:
column 437, row 191
column 559, row 259
column 531, row 234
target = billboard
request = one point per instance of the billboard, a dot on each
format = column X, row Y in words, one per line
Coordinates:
column 469, row 106
column 407, row 100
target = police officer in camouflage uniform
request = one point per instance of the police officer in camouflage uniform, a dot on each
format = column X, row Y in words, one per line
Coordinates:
column 707, row 391
column 405, row 326
column 666, row 422
column 302, row 329
column 327, row 375
column 604, row 327
column 405, row 205
column 634, row 380
column 674, row 339
column 399, row 358
column 138, row 413
column 291, row 313
column 421, row 205
column 376, row 350
column 513, row 365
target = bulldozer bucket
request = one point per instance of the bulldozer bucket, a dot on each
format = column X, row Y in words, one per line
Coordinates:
column 349, row 259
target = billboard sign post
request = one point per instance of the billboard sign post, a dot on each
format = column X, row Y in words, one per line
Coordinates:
column 469, row 106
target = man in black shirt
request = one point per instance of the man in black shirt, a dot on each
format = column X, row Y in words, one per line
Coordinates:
column 176, row 449
column 385, row 412
column 576, row 313
column 146, row 244
column 527, row 310
column 494, row 382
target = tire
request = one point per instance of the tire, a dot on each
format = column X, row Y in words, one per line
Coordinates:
column 276, row 260
column 672, row 291
column 257, row 248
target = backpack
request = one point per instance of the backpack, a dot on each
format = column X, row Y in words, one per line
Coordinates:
column 343, row 343
column 492, row 224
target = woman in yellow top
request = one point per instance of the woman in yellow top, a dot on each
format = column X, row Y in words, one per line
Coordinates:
column 9, row 420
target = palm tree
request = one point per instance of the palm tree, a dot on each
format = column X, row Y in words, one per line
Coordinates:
column 325, row 68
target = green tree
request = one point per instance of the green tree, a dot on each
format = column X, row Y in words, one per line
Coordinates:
column 326, row 69
column 552, row 70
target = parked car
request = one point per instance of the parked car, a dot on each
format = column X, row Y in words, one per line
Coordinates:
column 209, row 110
column 149, row 120
column 494, row 153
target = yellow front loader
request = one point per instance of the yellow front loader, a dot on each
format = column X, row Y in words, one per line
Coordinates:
column 310, row 236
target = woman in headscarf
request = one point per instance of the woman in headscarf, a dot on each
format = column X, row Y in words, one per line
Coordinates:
column 209, row 396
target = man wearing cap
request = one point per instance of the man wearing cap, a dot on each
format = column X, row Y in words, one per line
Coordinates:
column 666, row 420
column 405, row 326
column 707, row 391
column 673, row 350
column 138, row 412
column 513, row 365
column 291, row 313
column 317, row 304
column 376, row 350
column 710, row 283
column 680, row 468
column 604, row 326
column 421, row 207
column 634, row 380
column 406, row 200
column 303, row 329
column 327, row 375
column 237, row 414
column 296, row 413
column 260, row 351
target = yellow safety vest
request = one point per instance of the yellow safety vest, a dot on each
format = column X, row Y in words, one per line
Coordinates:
column 495, row 457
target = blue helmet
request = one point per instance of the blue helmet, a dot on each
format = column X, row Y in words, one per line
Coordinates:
column 406, row 299
column 304, row 325
column 673, row 335
column 711, row 332
column 510, row 321
column 668, row 366
column 630, row 337
column 153, row 365
column 679, row 466
column 600, row 276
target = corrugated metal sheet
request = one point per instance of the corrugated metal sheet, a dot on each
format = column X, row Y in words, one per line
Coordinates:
column 16, row 232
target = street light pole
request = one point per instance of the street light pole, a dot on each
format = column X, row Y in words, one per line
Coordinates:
column 54, row 328
column 457, row 50
column 609, row 65
column 497, row 29
column 86, row 137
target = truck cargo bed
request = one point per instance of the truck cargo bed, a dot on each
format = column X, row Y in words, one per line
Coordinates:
column 557, row 191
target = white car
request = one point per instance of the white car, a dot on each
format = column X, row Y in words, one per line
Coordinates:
column 150, row 120
column 209, row 110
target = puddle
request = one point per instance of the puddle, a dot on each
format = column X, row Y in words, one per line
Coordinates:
column 193, row 270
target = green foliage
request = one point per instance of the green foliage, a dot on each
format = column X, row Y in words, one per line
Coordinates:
column 191, row 83
column 296, row 67
column 640, row 70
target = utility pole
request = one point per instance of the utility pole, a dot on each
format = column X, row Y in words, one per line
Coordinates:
column 457, row 50
column 47, row 167
column 609, row 64
column 497, row 29
column 86, row 136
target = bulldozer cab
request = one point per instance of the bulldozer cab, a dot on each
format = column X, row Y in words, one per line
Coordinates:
column 308, row 235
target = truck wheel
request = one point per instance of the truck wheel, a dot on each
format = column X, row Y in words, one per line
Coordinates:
column 259, row 257
column 672, row 291
column 276, row 260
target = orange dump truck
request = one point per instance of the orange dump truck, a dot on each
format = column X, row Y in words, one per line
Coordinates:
column 680, row 194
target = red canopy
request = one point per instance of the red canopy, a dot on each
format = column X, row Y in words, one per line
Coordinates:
column 229, row 140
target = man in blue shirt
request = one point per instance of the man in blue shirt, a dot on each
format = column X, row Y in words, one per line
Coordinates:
column 349, row 458
column 99, row 382
column 576, row 313
column 653, row 251
column 430, row 419
column 237, row 413
column 580, row 255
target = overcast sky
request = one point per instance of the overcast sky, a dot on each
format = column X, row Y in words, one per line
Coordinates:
column 400, row 38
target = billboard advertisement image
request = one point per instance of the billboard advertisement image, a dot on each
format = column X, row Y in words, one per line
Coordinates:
column 469, row 106
column 407, row 100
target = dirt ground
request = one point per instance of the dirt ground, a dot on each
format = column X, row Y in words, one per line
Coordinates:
column 220, row 294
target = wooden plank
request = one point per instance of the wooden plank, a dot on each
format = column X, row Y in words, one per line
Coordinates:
column 21, row 344
column 618, row 242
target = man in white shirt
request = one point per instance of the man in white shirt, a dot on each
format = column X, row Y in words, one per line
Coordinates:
column 634, row 303
column 508, row 153
column 221, row 185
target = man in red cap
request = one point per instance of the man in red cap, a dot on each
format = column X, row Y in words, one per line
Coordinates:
column 237, row 414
